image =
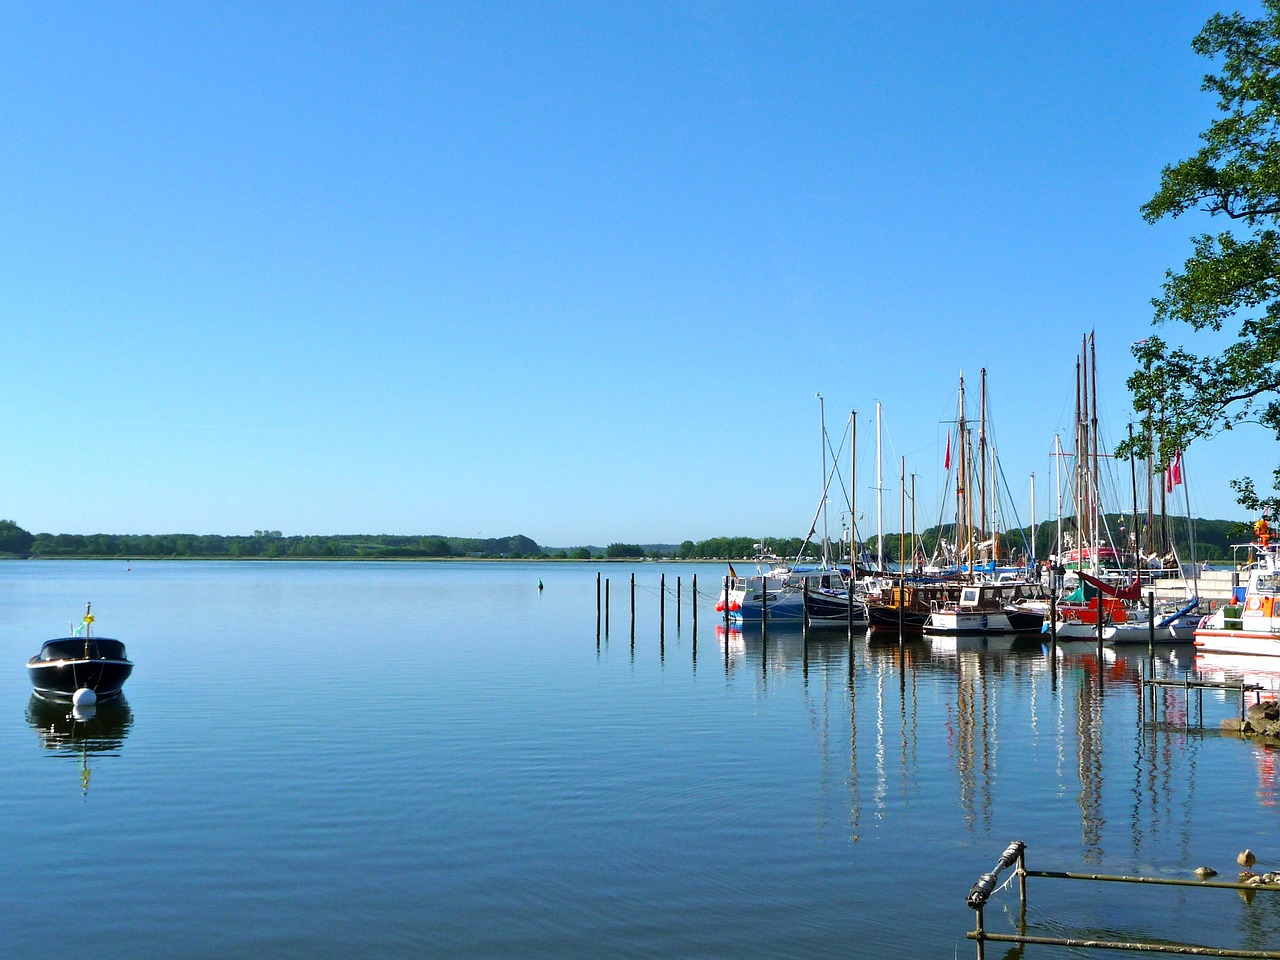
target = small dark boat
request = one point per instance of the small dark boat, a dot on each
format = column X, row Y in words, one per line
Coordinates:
column 82, row 662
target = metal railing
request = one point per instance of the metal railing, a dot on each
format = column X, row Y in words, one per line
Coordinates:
column 1015, row 856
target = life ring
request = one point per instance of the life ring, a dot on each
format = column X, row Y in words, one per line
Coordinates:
column 1253, row 603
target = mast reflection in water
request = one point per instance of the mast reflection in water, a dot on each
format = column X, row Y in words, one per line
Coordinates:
column 903, row 698
column 77, row 733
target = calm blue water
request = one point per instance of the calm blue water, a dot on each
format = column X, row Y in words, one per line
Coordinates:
column 396, row 760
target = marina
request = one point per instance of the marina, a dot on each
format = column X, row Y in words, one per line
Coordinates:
column 540, row 789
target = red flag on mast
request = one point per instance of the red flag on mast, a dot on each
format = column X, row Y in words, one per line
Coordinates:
column 946, row 464
column 1173, row 476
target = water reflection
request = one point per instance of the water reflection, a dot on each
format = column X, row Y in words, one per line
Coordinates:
column 77, row 733
column 912, row 701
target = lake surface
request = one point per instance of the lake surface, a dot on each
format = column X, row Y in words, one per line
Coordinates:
column 336, row 760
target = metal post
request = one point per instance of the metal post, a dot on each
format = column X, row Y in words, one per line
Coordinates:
column 849, row 595
column 1022, row 877
column 662, row 605
column 1151, row 624
column 606, row 606
column 902, row 609
column 597, row 605
column 764, row 605
column 679, row 593
column 1053, row 610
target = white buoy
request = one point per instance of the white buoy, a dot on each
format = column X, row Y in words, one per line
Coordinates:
column 84, row 697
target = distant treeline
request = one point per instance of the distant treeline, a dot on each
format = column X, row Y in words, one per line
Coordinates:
column 264, row 544
column 1214, row 539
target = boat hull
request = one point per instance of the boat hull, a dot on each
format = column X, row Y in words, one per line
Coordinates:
column 1251, row 642
column 977, row 623
column 886, row 618
column 834, row 609
column 60, row 679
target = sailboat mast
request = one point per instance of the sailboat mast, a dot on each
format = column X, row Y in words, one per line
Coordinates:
column 1191, row 537
column 983, row 526
column 853, row 495
column 1057, row 476
column 1031, row 560
column 995, row 514
column 879, row 496
column 1086, row 468
column 1165, row 545
column 915, row 549
column 1093, row 435
column 1150, row 529
column 962, row 529
column 822, row 416
column 1078, row 497
column 968, row 501
column 902, row 537
column 1133, row 481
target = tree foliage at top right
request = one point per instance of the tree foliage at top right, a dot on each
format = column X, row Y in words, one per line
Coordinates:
column 1231, row 281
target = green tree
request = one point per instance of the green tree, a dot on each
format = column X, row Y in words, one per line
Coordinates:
column 624, row 551
column 13, row 539
column 1231, row 279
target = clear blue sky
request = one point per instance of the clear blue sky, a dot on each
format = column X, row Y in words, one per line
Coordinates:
column 572, row 270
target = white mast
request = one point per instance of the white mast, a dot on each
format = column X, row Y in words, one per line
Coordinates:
column 1032, row 559
column 822, row 414
column 1057, row 471
column 879, row 497
column 853, row 495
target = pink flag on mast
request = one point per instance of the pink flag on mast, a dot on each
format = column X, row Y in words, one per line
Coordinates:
column 1173, row 476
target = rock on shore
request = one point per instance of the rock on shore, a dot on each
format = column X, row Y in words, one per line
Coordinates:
column 1260, row 720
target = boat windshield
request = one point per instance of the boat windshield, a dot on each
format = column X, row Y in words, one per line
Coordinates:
column 73, row 648
column 1269, row 583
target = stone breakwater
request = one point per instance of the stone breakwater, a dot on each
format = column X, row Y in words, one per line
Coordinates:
column 1260, row 720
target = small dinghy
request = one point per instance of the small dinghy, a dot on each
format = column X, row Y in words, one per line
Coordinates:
column 81, row 668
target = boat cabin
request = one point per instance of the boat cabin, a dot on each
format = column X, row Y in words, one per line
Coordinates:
column 81, row 648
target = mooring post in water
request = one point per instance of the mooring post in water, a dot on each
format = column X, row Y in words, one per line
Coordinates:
column 679, row 593
column 1151, row 624
column 902, row 609
column 1100, row 606
column 805, row 605
column 606, row 606
column 662, row 605
column 1053, row 613
column 849, row 596
column 693, row 599
column 764, row 604
column 726, row 609
column 633, row 604
column 597, row 605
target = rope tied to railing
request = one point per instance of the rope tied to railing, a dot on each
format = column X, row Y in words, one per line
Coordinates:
column 988, row 883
